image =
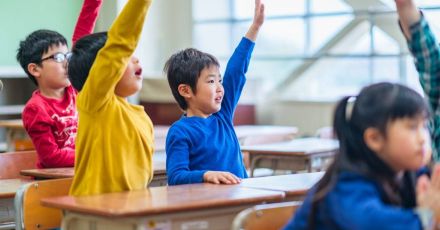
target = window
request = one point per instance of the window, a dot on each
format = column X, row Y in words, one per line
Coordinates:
column 314, row 49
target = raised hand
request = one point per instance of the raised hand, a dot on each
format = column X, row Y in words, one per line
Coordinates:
column 258, row 21
column 259, row 13
column 408, row 15
column 219, row 177
column 428, row 192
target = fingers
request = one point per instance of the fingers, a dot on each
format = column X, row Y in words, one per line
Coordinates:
column 435, row 178
column 257, row 4
column 422, row 184
column 222, row 178
column 228, row 178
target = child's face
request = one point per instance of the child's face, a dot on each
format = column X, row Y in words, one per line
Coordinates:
column 209, row 93
column 406, row 146
column 49, row 73
column 131, row 81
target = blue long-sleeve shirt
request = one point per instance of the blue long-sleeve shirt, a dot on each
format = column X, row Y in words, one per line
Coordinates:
column 195, row 145
column 354, row 203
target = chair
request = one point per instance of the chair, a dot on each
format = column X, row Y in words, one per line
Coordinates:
column 30, row 214
column 265, row 217
column 12, row 163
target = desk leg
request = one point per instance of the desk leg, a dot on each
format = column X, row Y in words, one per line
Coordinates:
column 254, row 160
column 9, row 139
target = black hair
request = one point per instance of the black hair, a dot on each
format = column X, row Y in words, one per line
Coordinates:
column 375, row 106
column 32, row 48
column 83, row 55
column 185, row 67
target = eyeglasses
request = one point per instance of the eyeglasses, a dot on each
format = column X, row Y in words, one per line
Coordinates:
column 58, row 57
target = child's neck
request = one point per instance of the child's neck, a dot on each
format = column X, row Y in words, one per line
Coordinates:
column 53, row 93
column 194, row 113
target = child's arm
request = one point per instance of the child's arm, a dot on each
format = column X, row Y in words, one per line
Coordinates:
column 426, row 51
column 177, row 164
column 234, row 78
column 428, row 192
column 408, row 15
column 86, row 19
column 252, row 33
column 38, row 127
column 112, row 60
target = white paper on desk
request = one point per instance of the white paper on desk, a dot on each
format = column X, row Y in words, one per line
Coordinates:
column 158, row 225
column 194, row 225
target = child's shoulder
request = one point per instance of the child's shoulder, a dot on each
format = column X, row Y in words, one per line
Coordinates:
column 350, row 181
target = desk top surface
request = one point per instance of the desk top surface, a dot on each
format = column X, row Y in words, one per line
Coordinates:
column 9, row 187
column 258, row 130
column 292, row 185
column 14, row 123
column 164, row 200
column 302, row 146
column 54, row 173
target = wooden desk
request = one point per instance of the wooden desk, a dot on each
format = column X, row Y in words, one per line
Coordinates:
column 159, row 177
column 299, row 154
column 263, row 134
column 8, row 188
column 195, row 206
column 295, row 186
column 16, row 136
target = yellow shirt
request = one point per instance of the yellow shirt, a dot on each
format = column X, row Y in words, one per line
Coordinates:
column 114, row 144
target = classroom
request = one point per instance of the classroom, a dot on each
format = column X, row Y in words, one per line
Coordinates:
column 220, row 114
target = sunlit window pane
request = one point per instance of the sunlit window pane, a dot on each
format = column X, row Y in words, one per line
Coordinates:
column 280, row 38
column 211, row 9
column 245, row 8
column 327, row 6
column 213, row 38
column 324, row 29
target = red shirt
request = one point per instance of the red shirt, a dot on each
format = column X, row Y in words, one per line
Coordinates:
column 52, row 123
column 52, row 126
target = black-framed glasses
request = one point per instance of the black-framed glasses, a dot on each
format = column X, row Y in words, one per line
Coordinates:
column 58, row 57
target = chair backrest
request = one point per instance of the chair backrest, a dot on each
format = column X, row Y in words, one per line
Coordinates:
column 11, row 163
column 266, row 216
column 30, row 214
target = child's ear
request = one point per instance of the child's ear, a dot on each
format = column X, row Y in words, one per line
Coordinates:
column 184, row 90
column 34, row 70
column 374, row 139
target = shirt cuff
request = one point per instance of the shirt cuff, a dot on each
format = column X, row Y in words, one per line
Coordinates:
column 426, row 217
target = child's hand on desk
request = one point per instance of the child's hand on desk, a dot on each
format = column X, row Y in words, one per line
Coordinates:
column 219, row 177
column 428, row 192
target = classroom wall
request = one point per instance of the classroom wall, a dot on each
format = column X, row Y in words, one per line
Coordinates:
column 20, row 17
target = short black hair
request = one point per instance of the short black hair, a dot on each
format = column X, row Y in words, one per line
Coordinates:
column 83, row 55
column 185, row 67
column 32, row 48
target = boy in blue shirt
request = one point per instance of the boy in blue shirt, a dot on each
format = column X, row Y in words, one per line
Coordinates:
column 202, row 145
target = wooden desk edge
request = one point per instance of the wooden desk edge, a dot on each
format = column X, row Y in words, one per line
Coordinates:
column 53, row 203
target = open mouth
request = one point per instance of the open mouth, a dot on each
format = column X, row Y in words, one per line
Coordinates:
column 138, row 72
column 218, row 99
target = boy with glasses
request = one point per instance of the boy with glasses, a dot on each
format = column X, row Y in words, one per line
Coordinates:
column 50, row 116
